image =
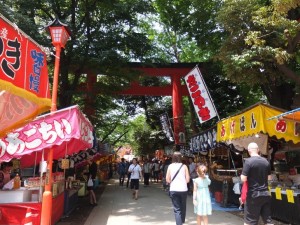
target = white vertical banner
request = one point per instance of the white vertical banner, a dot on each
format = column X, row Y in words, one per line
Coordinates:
column 200, row 96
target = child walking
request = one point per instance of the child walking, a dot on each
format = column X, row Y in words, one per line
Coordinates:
column 201, row 196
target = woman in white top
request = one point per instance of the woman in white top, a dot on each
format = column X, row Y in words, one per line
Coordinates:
column 178, row 186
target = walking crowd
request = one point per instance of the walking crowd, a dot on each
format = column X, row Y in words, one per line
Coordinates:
column 181, row 179
column 179, row 184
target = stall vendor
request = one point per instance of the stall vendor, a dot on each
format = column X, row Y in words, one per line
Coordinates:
column 5, row 173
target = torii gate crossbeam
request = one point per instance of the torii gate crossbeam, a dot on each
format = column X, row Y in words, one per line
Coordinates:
column 176, row 71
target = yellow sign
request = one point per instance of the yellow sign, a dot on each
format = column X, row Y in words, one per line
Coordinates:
column 65, row 163
column 290, row 196
column 278, row 193
column 254, row 121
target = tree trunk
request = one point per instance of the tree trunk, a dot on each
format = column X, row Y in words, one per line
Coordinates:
column 280, row 96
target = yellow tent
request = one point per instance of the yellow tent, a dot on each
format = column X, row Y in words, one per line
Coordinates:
column 254, row 123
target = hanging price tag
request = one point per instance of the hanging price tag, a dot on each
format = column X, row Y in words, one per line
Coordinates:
column 278, row 193
column 65, row 163
column 290, row 196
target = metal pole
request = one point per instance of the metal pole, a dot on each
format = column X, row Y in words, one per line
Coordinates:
column 47, row 195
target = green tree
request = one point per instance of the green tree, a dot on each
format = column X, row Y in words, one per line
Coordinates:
column 260, row 48
column 105, row 36
column 177, row 38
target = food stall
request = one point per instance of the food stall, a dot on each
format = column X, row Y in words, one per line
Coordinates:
column 66, row 131
column 216, row 156
column 272, row 136
column 25, row 93
column 286, row 192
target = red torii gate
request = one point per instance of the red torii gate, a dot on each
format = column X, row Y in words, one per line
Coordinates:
column 173, row 70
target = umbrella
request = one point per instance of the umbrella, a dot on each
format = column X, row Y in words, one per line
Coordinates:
column 66, row 131
column 24, row 83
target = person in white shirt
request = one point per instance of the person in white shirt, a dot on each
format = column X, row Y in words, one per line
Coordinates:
column 178, row 176
column 136, row 174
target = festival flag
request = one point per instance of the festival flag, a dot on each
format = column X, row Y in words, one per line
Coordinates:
column 166, row 126
column 24, row 83
column 200, row 96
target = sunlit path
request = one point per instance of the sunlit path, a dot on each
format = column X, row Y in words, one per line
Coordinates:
column 116, row 206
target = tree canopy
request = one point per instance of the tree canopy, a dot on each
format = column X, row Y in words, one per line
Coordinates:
column 261, row 46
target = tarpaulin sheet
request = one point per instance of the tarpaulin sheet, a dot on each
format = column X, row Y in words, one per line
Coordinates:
column 293, row 115
column 15, row 214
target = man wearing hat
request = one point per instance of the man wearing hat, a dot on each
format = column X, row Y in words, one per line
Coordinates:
column 257, row 172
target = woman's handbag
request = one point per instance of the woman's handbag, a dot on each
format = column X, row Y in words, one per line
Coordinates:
column 90, row 182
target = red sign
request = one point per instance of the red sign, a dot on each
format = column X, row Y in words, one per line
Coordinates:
column 66, row 131
column 200, row 96
column 24, row 84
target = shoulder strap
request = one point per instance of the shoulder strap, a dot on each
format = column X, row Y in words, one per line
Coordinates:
column 177, row 172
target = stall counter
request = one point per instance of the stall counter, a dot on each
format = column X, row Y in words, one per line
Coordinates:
column 13, row 196
column 283, row 209
column 15, row 203
column 14, row 213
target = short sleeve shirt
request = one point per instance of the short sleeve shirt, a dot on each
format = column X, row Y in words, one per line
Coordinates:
column 135, row 171
column 257, row 169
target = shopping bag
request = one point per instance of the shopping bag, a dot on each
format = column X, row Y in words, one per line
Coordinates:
column 237, row 188
column 90, row 182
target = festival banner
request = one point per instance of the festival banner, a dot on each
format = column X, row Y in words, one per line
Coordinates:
column 66, row 131
column 204, row 141
column 200, row 96
column 24, row 83
column 166, row 126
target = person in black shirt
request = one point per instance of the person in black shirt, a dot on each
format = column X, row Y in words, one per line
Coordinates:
column 257, row 172
column 121, row 171
column 92, row 174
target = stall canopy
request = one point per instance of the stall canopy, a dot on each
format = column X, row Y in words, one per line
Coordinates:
column 293, row 115
column 66, row 131
column 24, row 84
column 252, row 124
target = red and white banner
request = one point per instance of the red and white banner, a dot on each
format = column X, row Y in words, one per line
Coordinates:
column 66, row 131
column 200, row 95
column 24, row 83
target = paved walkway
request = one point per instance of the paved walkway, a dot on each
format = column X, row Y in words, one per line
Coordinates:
column 116, row 206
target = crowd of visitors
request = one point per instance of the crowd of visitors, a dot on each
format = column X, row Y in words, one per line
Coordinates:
column 179, row 178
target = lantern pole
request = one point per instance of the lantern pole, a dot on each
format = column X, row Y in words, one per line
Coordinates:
column 59, row 34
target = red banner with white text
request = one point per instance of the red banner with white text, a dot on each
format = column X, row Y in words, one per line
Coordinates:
column 24, row 83
column 200, row 95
